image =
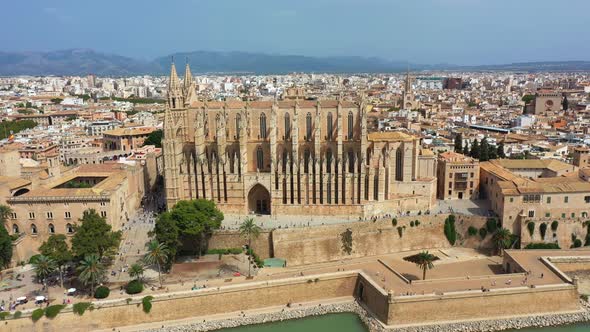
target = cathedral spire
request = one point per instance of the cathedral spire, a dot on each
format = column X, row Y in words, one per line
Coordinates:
column 173, row 84
column 188, row 76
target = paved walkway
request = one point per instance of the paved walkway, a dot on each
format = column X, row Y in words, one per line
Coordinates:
column 133, row 246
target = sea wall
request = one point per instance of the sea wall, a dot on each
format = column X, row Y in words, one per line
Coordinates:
column 469, row 305
column 181, row 305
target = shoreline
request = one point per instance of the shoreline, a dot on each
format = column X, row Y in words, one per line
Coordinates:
column 373, row 325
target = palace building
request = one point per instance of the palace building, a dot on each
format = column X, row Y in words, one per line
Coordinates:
column 290, row 156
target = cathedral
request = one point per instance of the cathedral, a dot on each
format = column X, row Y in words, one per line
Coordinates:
column 290, row 156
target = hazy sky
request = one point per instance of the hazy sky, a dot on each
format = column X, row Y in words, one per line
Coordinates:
column 419, row 31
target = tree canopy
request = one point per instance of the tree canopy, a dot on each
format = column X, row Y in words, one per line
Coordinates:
column 459, row 143
column 154, row 138
column 56, row 248
column 5, row 239
column 188, row 222
column 94, row 236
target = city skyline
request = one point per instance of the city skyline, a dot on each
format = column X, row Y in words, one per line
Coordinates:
column 429, row 32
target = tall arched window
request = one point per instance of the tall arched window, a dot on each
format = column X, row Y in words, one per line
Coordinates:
column 259, row 158
column 15, row 229
column 351, row 161
column 308, row 126
column 329, row 160
column 306, row 156
column 284, row 161
column 399, row 164
column 263, row 126
column 51, row 229
column 287, row 126
column 350, row 125
column 237, row 124
column 33, row 229
column 69, row 229
column 330, row 126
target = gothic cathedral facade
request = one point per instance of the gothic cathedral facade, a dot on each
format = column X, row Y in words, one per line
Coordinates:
column 289, row 157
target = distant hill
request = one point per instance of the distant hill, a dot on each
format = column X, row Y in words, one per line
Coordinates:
column 70, row 62
column 86, row 61
column 204, row 61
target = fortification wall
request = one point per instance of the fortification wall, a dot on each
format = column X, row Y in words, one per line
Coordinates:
column 567, row 229
column 482, row 305
column 195, row 304
column 320, row 244
column 262, row 245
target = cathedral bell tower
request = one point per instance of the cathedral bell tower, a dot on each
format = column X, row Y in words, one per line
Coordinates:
column 175, row 91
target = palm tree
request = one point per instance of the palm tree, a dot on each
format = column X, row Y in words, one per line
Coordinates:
column 424, row 261
column 91, row 270
column 136, row 271
column 44, row 267
column 158, row 255
column 502, row 239
column 249, row 230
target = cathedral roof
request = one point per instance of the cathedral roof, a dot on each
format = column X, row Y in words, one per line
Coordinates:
column 233, row 104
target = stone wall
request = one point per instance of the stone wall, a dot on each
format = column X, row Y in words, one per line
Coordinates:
column 262, row 245
column 320, row 244
column 482, row 305
column 566, row 231
column 166, row 307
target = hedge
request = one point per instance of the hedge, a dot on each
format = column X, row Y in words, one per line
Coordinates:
column 491, row 225
column 146, row 303
column 543, row 230
column 37, row 314
column 102, row 292
column 80, row 307
column 531, row 227
column 134, row 287
column 53, row 310
column 229, row 251
column 542, row 246
column 450, row 230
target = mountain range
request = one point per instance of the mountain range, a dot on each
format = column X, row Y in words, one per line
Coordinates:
column 87, row 61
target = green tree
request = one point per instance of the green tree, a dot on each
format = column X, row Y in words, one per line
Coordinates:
column 425, row 260
column 502, row 239
column 500, row 151
column 528, row 98
column 56, row 248
column 196, row 221
column 484, row 154
column 157, row 255
column 44, row 267
column 475, row 149
column 459, row 143
column 154, row 138
column 136, row 271
column 166, row 232
column 466, row 150
column 249, row 230
column 5, row 239
column 91, row 271
column 565, row 103
column 94, row 236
